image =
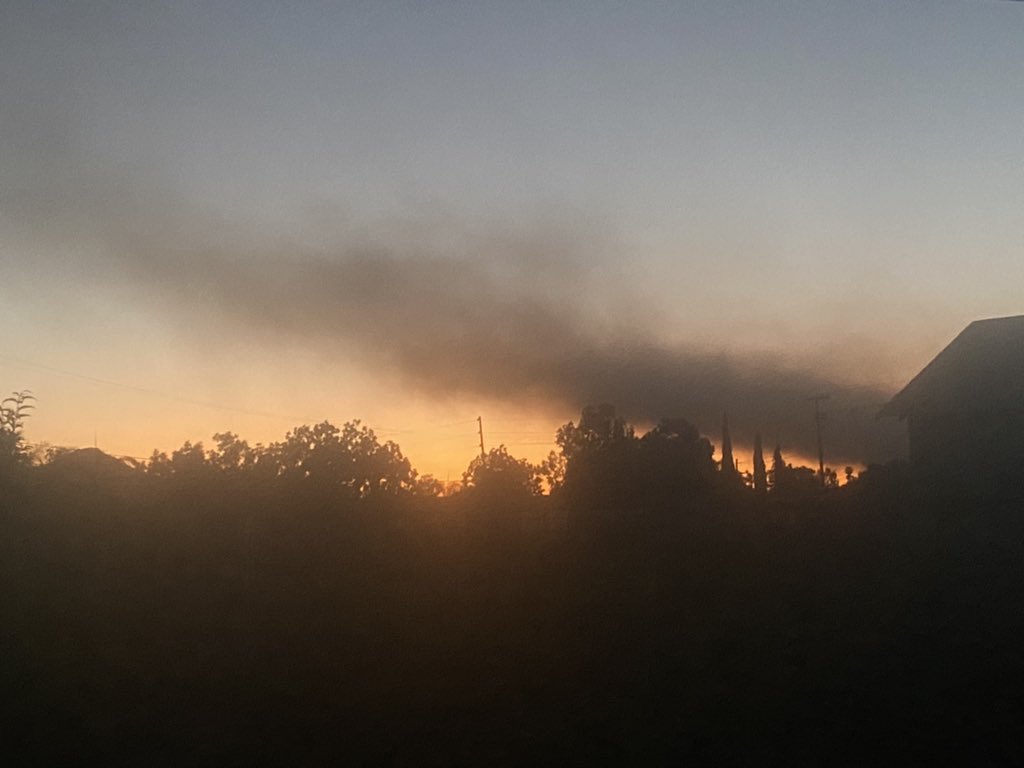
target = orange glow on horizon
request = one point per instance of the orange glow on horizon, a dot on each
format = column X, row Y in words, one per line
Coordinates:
column 438, row 438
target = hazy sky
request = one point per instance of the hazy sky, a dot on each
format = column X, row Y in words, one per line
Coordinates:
column 415, row 213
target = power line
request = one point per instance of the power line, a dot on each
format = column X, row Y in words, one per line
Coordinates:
column 537, row 433
column 383, row 431
column 430, row 428
column 155, row 392
column 460, row 436
column 218, row 406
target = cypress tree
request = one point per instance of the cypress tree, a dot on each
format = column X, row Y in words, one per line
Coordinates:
column 728, row 464
column 760, row 473
column 778, row 468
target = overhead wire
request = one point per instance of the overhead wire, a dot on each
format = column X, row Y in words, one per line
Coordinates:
column 153, row 392
column 380, row 430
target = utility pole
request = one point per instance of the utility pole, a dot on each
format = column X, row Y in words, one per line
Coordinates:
column 818, row 418
column 480, row 423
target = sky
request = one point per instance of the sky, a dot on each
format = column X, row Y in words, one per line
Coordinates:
column 246, row 216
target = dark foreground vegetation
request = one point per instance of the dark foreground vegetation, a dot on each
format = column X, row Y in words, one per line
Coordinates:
column 206, row 617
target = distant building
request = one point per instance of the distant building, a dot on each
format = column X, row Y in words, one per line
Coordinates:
column 91, row 466
column 965, row 409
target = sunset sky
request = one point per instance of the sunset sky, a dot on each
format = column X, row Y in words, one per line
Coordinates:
column 245, row 216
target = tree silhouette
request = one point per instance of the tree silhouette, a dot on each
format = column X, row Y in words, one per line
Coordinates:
column 728, row 462
column 607, row 466
column 600, row 458
column 428, row 486
column 674, row 460
column 778, row 477
column 499, row 474
column 347, row 462
column 232, row 456
column 552, row 471
column 760, row 474
column 599, row 430
column 13, row 412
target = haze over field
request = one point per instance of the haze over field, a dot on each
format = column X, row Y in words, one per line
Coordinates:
column 416, row 214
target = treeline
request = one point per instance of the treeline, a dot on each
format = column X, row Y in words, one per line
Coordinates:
column 313, row 602
column 600, row 461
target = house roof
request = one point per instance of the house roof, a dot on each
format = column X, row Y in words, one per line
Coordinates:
column 87, row 462
column 981, row 369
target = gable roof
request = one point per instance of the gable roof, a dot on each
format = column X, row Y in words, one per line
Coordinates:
column 981, row 369
column 90, row 463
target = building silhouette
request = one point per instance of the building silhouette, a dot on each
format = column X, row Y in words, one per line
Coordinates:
column 965, row 410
